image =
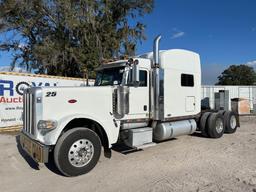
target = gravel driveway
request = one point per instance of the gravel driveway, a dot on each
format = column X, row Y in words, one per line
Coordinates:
column 188, row 163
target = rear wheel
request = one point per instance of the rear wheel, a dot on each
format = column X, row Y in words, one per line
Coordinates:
column 215, row 125
column 77, row 151
column 221, row 112
column 230, row 121
column 202, row 124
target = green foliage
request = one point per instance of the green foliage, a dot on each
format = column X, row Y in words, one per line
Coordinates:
column 237, row 75
column 71, row 37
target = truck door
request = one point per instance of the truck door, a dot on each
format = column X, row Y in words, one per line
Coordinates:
column 139, row 97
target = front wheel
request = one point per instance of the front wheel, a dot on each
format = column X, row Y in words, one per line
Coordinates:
column 77, row 151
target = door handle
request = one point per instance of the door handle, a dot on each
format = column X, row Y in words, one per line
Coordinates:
column 145, row 107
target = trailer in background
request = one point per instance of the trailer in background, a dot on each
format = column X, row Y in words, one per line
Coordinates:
column 248, row 93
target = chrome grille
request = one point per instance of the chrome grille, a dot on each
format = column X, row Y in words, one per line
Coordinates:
column 28, row 112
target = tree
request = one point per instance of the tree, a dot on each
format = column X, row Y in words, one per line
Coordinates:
column 70, row 37
column 237, row 75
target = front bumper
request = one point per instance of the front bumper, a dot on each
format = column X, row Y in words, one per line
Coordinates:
column 37, row 151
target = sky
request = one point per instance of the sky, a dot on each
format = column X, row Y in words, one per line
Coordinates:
column 223, row 32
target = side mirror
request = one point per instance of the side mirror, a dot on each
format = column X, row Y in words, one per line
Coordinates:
column 135, row 73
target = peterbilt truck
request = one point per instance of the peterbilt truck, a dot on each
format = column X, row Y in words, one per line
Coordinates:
column 138, row 102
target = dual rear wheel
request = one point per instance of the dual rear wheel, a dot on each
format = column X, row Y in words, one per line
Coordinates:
column 231, row 122
column 214, row 125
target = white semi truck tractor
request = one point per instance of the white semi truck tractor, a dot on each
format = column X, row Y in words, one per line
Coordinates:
column 138, row 102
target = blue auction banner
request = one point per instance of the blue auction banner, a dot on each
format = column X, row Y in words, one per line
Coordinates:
column 12, row 86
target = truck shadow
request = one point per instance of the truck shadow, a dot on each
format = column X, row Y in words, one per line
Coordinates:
column 124, row 149
column 198, row 134
column 165, row 141
column 25, row 156
column 34, row 165
column 51, row 165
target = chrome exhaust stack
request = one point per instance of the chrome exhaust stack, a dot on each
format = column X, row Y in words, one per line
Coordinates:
column 156, row 51
column 157, row 89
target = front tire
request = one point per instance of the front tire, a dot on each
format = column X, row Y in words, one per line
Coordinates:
column 77, row 151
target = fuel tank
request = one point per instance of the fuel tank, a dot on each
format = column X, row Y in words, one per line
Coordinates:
column 173, row 129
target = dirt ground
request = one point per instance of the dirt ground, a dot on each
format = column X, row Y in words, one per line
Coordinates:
column 188, row 163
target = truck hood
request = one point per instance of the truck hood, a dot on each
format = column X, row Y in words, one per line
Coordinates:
column 62, row 101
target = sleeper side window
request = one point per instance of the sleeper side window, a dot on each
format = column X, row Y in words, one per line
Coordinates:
column 187, row 80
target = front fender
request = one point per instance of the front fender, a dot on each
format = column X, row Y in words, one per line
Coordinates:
column 108, row 125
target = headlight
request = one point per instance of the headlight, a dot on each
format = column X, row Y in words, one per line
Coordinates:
column 47, row 124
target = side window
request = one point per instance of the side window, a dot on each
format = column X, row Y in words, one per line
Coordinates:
column 187, row 80
column 143, row 79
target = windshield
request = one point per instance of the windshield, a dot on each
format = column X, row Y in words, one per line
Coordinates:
column 109, row 76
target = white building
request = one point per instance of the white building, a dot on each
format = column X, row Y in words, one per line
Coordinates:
column 246, row 92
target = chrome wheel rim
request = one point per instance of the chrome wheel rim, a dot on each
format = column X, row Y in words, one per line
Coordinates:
column 80, row 153
column 233, row 122
column 219, row 125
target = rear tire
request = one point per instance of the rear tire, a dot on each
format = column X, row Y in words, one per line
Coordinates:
column 202, row 124
column 215, row 125
column 230, row 121
column 221, row 112
column 77, row 151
